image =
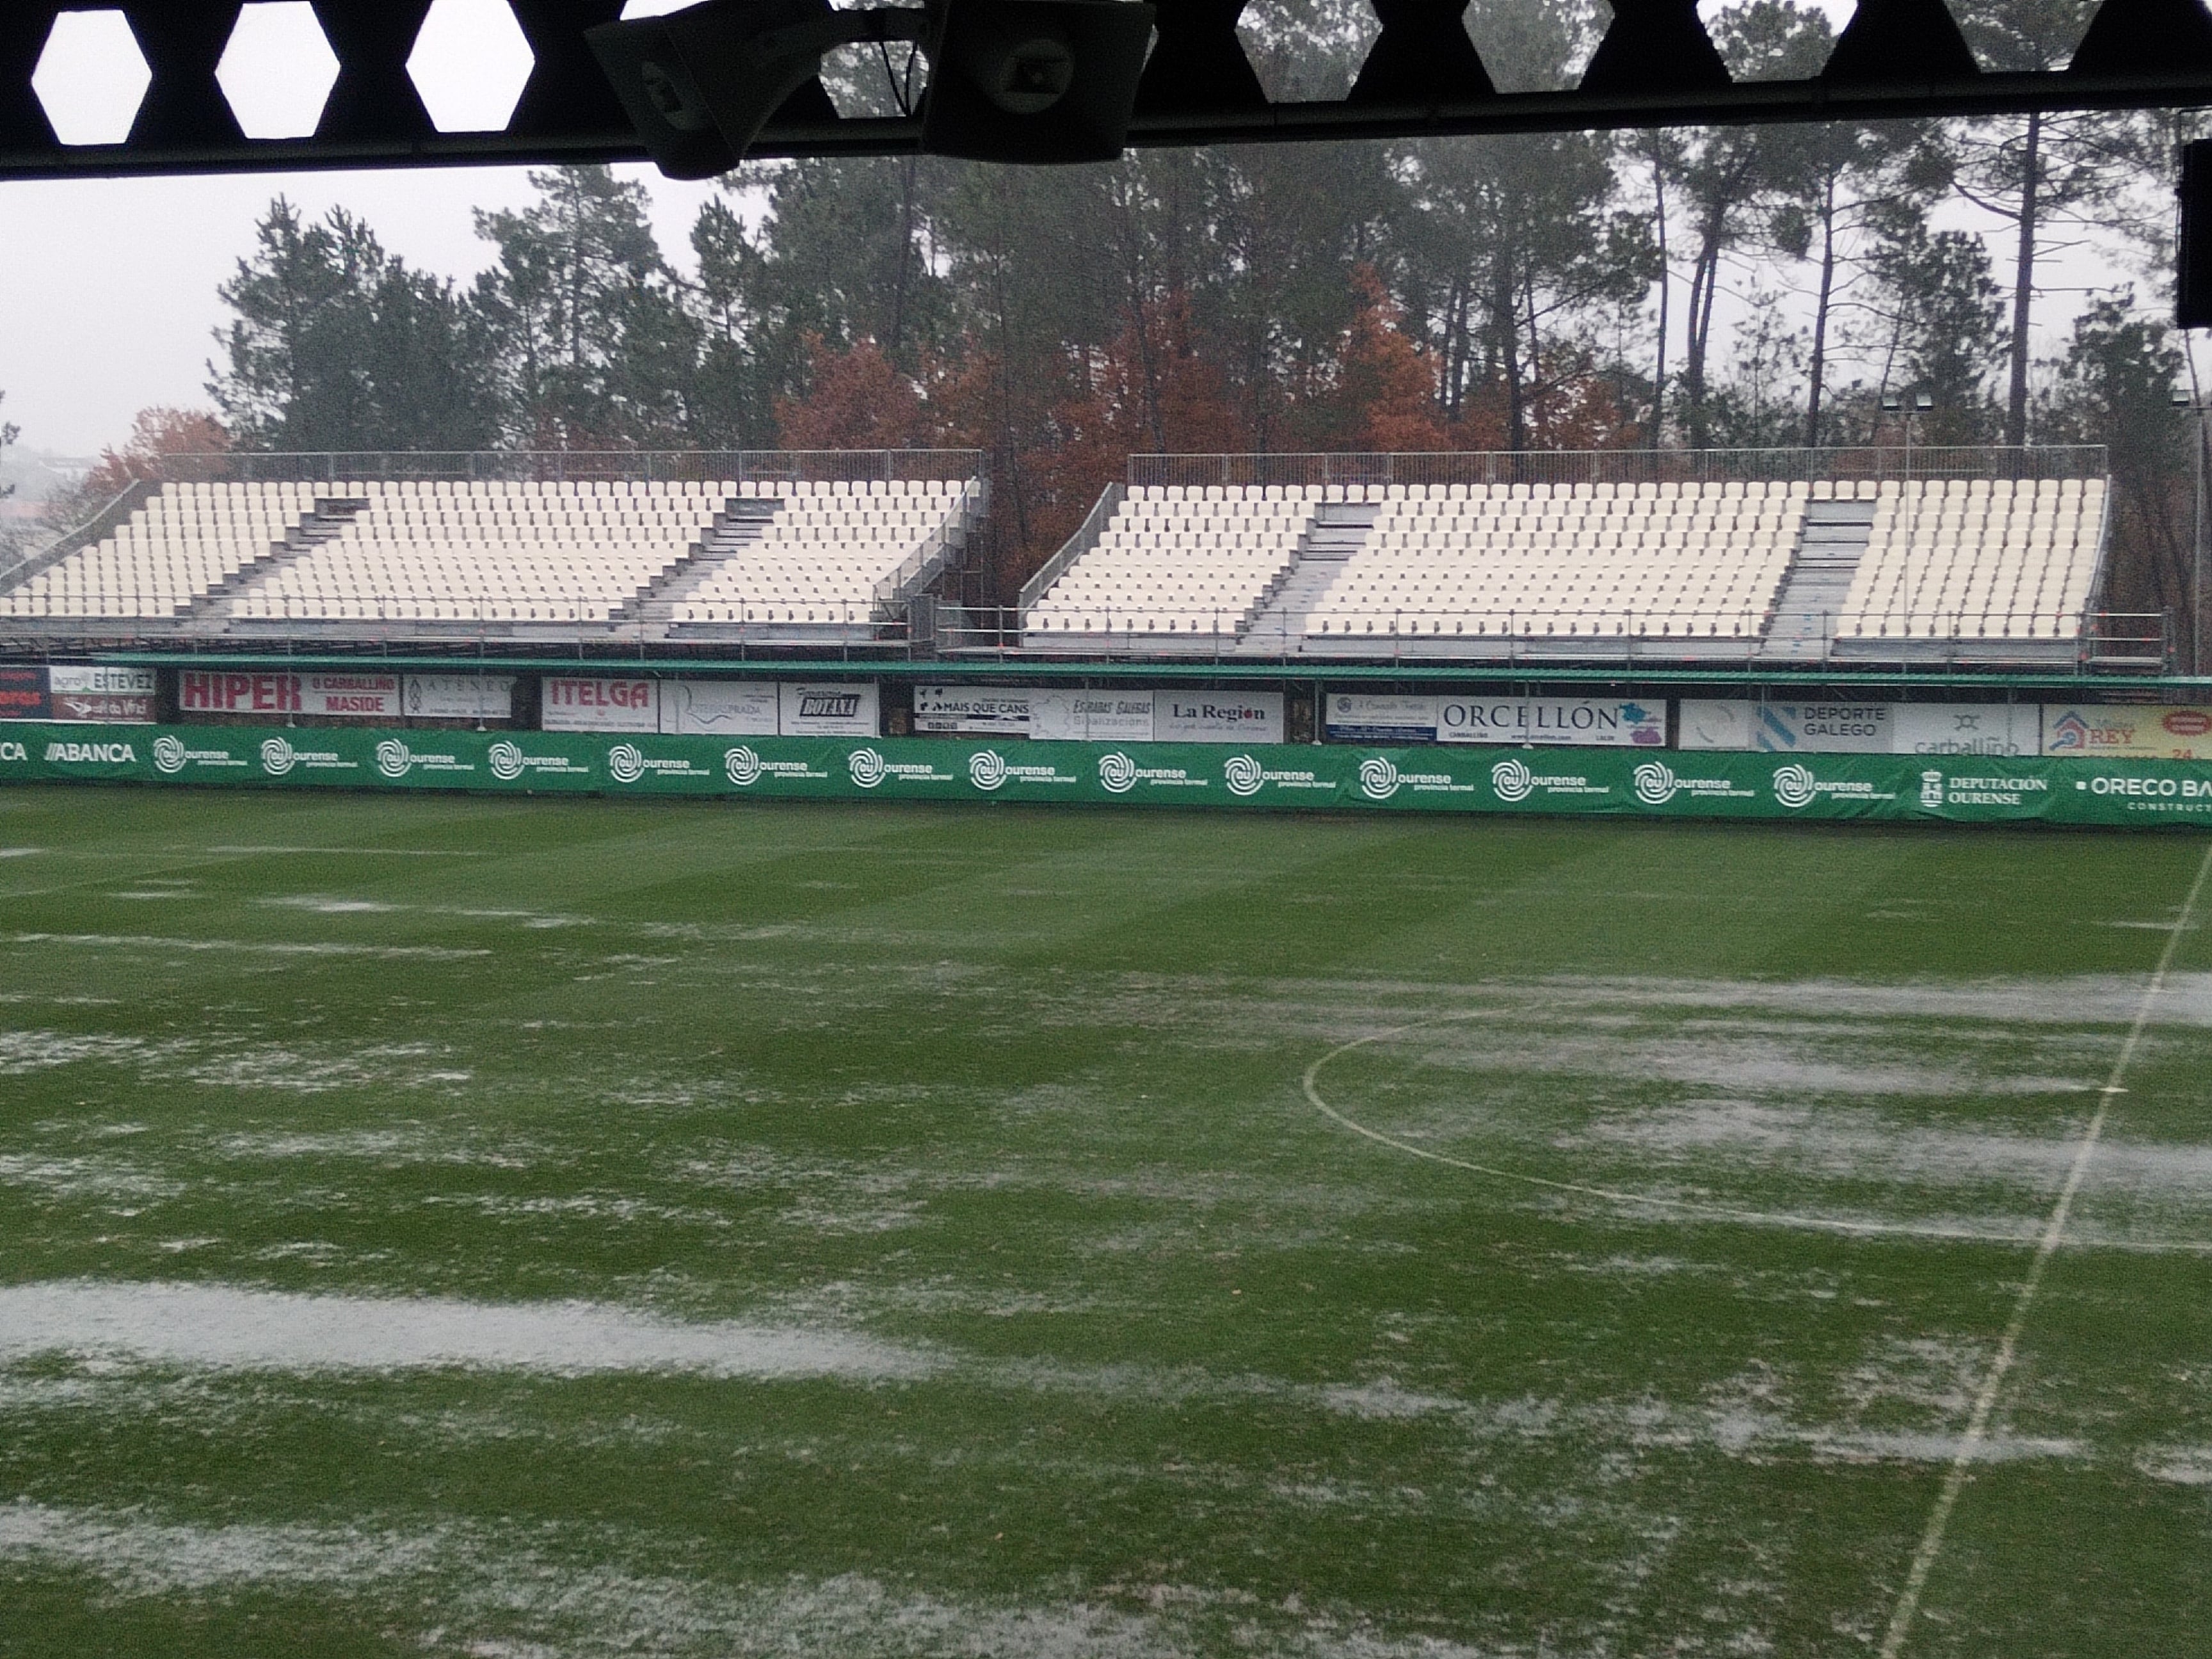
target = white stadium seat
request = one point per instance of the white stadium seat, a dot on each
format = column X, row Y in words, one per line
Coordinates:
column 1180, row 563
column 1568, row 561
column 2009, row 559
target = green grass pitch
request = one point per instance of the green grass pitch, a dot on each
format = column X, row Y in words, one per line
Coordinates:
column 434, row 1225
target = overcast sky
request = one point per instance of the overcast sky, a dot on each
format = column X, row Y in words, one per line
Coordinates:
column 107, row 287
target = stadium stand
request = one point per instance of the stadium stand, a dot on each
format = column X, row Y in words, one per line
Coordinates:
column 1966, row 561
column 432, row 557
column 1974, row 568
column 173, row 552
column 798, row 557
column 1977, row 560
column 473, row 551
column 1568, row 561
column 1175, row 563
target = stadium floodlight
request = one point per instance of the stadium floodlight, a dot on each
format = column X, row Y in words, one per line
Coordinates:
column 1032, row 80
column 699, row 85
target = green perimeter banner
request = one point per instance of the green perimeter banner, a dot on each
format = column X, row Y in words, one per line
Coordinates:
column 1634, row 783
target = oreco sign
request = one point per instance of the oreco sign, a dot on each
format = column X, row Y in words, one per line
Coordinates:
column 1617, row 780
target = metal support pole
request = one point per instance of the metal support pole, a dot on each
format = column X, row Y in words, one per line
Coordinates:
column 2195, row 548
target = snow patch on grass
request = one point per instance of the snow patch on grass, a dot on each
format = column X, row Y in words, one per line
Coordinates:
column 234, row 1327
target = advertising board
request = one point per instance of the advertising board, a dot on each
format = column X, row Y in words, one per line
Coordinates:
column 711, row 707
column 2145, row 730
column 2011, row 729
column 235, row 691
column 1860, row 728
column 1617, row 781
column 598, row 705
column 1093, row 716
column 1787, row 728
column 1580, row 722
column 1217, row 716
column 1047, row 714
column 982, row 709
column 100, row 691
column 830, row 710
column 1371, row 717
column 1703, row 724
column 352, row 696
column 460, row 696
column 23, row 692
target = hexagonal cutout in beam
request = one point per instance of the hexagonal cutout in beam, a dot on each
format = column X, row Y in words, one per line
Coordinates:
column 470, row 64
column 91, row 77
column 277, row 69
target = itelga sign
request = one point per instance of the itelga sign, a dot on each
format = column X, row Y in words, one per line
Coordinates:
column 594, row 704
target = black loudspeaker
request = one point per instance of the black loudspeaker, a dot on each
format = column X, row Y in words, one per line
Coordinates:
column 699, row 85
column 1034, row 81
column 2192, row 279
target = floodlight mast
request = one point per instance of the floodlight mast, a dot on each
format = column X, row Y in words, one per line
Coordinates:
column 1896, row 59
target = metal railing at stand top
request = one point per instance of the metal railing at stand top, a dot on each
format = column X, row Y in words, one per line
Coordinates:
column 564, row 466
column 2135, row 642
column 2109, row 639
column 2143, row 641
column 1085, row 539
column 1627, row 466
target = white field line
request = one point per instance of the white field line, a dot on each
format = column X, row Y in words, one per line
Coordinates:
column 2054, row 1231
column 1724, row 1213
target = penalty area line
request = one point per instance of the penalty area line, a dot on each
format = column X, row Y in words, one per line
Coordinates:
column 1690, row 1208
column 2054, row 1231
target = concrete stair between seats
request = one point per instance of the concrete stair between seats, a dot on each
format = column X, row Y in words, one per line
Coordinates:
column 1835, row 539
column 330, row 517
column 736, row 527
column 1278, row 626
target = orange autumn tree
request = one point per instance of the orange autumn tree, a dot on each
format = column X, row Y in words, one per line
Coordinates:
column 156, row 432
column 1147, row 391
column 1384, row 392
column 857, row 398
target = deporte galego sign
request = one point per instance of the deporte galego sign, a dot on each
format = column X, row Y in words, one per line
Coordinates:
column 1622, row 782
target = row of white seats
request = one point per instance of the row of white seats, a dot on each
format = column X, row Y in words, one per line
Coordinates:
column 173, row 550
column 1944, row 563
column 1177, row 564
column 819, row 562
column 1819, row 489
column 797, row 609
column 1706, row 561
column 1739, row 624
column 392, row 608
